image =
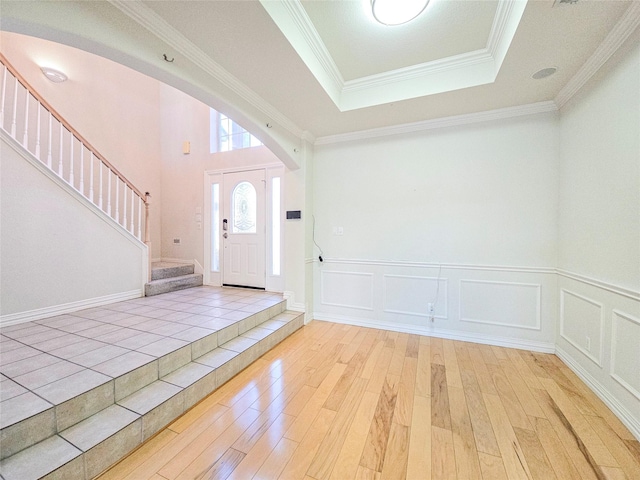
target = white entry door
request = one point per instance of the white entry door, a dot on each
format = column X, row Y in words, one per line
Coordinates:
column 243, row 229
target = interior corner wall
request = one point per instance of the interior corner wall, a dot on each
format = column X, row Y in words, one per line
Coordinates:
column 114, row 107
column 599, row 234
column 45, row 269
column 463, row 217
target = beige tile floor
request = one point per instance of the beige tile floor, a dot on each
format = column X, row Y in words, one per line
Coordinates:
column 49, row 361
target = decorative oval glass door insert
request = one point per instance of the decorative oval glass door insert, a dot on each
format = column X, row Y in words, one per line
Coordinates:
column 244, row 204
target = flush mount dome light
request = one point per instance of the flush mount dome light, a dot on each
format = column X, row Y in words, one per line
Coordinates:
column 54, row 75
column 397, row 12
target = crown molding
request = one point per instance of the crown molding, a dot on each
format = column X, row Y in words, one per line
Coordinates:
column 465, row 70
column 414, row 72
column 308, row 30
column 155, row 24
column 616, row 37
column 444, row 122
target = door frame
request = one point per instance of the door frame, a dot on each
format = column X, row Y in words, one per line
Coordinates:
column 273, row 283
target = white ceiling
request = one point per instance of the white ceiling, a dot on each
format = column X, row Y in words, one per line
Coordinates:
column 324, row 67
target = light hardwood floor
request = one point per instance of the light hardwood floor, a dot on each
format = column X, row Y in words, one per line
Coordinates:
column 337, row 402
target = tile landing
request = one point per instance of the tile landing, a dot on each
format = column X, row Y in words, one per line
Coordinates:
column 80, row 391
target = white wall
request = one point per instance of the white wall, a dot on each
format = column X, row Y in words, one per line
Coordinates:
column 184, row 118
column 45, row 269
column 599, row 235
column 479, row 199
column 115, row 108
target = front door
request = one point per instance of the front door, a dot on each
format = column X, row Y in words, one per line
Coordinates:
column 243, row 229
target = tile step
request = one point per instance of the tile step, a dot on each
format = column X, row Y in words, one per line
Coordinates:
column 84, row 450
column 47, row 419
column 165, row 285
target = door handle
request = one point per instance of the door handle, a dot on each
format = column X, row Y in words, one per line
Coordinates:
column 225, row 234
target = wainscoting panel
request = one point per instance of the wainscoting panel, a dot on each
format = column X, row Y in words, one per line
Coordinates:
column 411, row 295
column 625, row 351
column 582, row 324
column 500, row 303
column 503, row 305
column 347, row 289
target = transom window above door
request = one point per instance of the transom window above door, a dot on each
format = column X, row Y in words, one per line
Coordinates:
column 227, row 135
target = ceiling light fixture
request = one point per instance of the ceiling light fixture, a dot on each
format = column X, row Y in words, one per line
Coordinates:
column 397, row 12
column 54, row 75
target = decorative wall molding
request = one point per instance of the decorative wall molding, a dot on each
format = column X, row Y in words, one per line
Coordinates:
column 467, row 69
column 444, row 122
column 630, row 421
column 610, row 287
column 154, row 23
column 424, row 314
column 616, row 37
column 597, row 360
column 323, row 299
column 21, row 317
column 521, row 343
column 454, row 266
column 617, row 314
column 536, row 286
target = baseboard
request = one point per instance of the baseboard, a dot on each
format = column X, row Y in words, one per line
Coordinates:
column 619, row 410
column 520, row 343
column 292, row 305
column 37, row 314
column 197, row 268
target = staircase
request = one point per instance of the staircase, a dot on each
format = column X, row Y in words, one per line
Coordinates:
column 100, row 414
column 170, row 277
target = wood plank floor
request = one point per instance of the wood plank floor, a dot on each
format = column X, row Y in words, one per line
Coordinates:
column 336, row 402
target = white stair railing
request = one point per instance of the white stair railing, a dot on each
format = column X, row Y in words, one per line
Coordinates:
column 36, row 123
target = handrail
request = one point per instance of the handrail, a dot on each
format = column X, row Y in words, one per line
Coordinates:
column 126, row 199
column 66, row 124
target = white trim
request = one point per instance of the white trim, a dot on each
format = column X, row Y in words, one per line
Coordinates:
column 198, row 269
column 417, row 314
column 28, row 316
column 508, row 342
column 443, row 122
column 339, row 272
column 453, row 266
column 289, row 296
column 466, row 69
column 248, row 168
column 156, row 25
column 538, row 287
column 610, row 287
column 614, row 337
column 272, row 282
column 616, row 37
column 589, row 355
column 619, row 410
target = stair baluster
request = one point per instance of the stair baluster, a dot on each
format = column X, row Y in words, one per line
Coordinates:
column 9, row 74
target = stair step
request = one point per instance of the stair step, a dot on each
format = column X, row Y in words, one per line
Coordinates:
column 167, row 270
column 153, row 400
column 171, row 284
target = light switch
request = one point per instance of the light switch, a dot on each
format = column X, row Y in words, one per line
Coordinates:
column 186, row 147
column 198, row 217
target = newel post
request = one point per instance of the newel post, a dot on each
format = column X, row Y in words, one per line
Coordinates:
column 147, row 229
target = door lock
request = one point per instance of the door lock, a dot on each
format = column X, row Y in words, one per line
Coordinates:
column 225, row 234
